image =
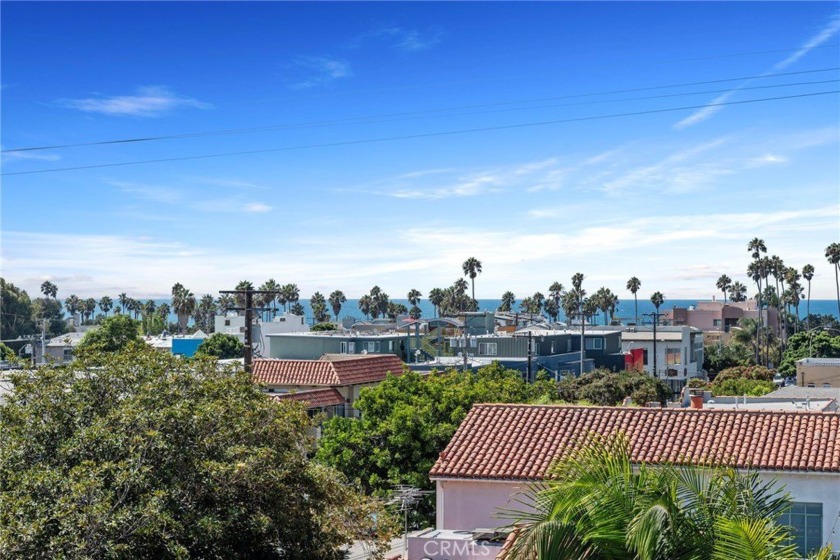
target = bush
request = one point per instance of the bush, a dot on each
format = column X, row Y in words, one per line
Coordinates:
column 739, row 386
column 758, row 373
column 606, row 388
column 323, row 327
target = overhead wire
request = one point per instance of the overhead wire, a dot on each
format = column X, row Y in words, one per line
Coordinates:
column 423, row 135
column 387, row 117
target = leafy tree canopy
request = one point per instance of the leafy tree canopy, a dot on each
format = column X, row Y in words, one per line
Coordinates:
column 606, row 388
column 718, row 357
column 323, row 327
column 222, row 346
column 116, row 333
column 146, row 456
column 817, row 344
column 407, row 420
column 16, row 318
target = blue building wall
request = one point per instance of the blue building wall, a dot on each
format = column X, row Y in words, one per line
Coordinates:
column 185, row 346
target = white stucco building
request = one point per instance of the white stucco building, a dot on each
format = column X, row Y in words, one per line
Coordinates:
column 235, row 325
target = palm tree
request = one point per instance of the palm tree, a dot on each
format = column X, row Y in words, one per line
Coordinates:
column 436, row 298
column 205, row 313
column 808, row 274
column 318, row 305
column 472, row 268
column 738, row 292
column 266, row 300
column 123, row 299
column 336, row 299
column 657, row 299
column 291, row 292
column 538, row 300
column 365, row 305
column 598, row 503
column 243, row 285
column 414, row 296
column 723, row 284
column 49, row 289
column 183, row 303
column 73, row 304
column 163, row 312
column 832, row 254
column 88, row 308
column 508, row 301
column 105, row 304
column 633, row 285
column 224, row 302
column 552, row 309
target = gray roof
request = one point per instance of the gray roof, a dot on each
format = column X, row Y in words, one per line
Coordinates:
column 825, row 362
column 796, row 392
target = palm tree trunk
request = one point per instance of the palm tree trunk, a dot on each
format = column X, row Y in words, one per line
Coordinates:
column 837, row 285
column 808, row 318
column 636, row 301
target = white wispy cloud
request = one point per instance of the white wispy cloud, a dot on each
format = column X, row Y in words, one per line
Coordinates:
column 311, row 71
column 257, row 207
column 31, row 156
column 148, row 101
column 403, row 39
column 828, row 31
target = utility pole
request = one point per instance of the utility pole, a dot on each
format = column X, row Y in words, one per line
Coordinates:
column 249, row 318
column 581, row 307
column 466, row 341
column 530, row 347
column 43, row 340
column 655, row 316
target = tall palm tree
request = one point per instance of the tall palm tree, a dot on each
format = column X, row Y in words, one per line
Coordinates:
column 224, row 302
column 738, row 292
column 105, row 304
column 269, row 300
column 633, row 285
column 205, row 313
column 600, row 504
column 832, row 254
column 73, row 304
column 472, row 268
column 89, row 308
column 336, row 299
column 508, row 301
column 123, row 299
column 808, row 274
column 723, row 284
column 49, row 289
column 365, row 305
column 436, row 298
column 292, row 294
column 318, row 305
column 240, row 298
column 657, row 299
column 414, row 298
column 183, row 303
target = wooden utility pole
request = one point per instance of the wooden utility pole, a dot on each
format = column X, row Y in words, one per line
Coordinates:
column 249, row 318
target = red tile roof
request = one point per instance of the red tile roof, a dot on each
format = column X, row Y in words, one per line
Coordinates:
column 316, row 398
column 357, row 371
column 521, row 441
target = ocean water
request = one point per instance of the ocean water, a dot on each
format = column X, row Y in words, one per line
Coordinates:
column 624, row 312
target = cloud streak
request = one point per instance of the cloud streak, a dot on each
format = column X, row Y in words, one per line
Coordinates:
column 148, row 101
column 827, row 32
column 318, row 70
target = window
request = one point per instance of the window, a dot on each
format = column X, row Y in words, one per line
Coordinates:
column 552, row 346
column 806, row 520
column 568, row 345
column 227, row 322
column 487, row 349
column 716, row 323
column 594, row 343
column 672, row 357
column 371, row 346
column 645, row 359
column 343, row 347
column 390, row 346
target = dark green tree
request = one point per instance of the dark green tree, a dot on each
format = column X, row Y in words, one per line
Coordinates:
column 222, row 346
column 148, row 456
column 116, row 333
column 15, row 311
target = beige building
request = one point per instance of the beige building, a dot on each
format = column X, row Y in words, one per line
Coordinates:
column 818, row 372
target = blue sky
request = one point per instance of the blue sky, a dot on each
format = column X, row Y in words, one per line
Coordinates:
column 669, row 196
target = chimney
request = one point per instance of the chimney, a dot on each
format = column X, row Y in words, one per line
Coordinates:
column 697, row 402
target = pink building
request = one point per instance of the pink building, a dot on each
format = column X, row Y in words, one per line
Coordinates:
column 501, row 449
column 715, row 318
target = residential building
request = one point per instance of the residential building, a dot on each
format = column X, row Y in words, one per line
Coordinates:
column 818, row 372
column 716, row 318
column 314, row 344
column 346, row 374
column 679, row 352
column 234, row 325
column 776, row 401
column 59, row 350
column 499, row 450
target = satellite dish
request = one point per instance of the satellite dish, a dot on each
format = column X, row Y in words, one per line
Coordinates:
column 364, row 351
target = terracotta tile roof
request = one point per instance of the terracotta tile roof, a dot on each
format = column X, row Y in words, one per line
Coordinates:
column 364, row 369
column 317, row 398
column 521, row 441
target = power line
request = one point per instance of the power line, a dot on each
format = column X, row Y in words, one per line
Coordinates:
column 384, row 117
column 422, row 135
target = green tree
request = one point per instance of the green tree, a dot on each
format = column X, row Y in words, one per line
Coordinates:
column 116, row 333
column 365, row 305
column 270, row 299
column 832, row 254
column 599, row 503
column 50, row 310
column 408, row 419
column 436, row 296
column 183, row 304
column 337, row 298
column 472, row 268
column 738, row 292
column 222, row 346
column 414, row 296
column 49, row 289
column 106, row 304
column 657, row 299
column 724, row 283
column 15, row 311
column 297, row 309
column 291, row 295
column 318, row 305
column 633, row 285
column 205, row 314
column 808, row 275
column 815, row 344
column 717, row 357
column 155, row 457
column 606, row 388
